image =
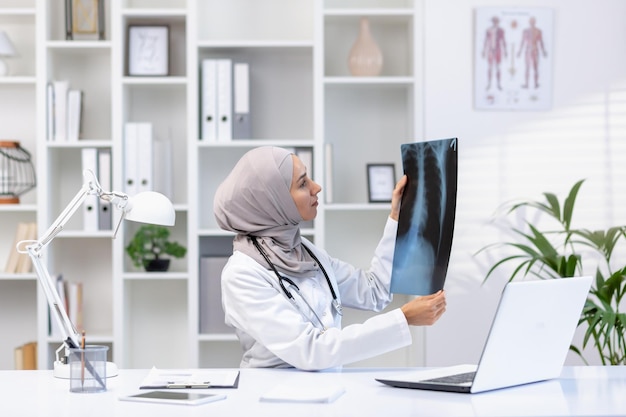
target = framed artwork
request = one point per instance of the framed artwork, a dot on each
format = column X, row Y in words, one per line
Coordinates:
column 84, row 19
column 381, row 180
column 513, row 58
column 148, row 50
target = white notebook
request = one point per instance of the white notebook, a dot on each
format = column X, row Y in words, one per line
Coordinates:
column 296, row 393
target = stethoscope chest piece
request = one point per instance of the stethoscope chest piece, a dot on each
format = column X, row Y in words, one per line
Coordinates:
column 337, row 306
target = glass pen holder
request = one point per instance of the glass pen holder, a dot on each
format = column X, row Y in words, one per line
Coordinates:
column 88, row 369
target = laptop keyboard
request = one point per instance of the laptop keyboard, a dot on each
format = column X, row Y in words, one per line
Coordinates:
column 454, row 379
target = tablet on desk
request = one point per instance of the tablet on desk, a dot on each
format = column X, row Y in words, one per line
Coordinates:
column 174, row 397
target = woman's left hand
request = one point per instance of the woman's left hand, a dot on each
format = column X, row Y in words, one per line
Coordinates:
column 396, row 197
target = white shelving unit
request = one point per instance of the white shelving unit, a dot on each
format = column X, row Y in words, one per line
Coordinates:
column 18, row 292
column 302, row 96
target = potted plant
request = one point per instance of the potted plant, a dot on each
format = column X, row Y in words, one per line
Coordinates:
column 560, row 252
column 150, row 246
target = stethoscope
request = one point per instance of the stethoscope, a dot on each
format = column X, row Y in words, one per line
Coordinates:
column 336, row 304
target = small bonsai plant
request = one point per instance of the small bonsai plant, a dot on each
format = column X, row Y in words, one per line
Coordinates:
column 150, row 245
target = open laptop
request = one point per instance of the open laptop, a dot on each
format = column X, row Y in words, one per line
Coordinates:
column 528, row 341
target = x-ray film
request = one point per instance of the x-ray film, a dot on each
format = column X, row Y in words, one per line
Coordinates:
column 426, row 221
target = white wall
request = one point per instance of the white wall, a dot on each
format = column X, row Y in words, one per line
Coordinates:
column 510, row 154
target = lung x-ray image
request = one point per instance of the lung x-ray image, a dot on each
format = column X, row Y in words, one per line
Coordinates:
column 426, row 221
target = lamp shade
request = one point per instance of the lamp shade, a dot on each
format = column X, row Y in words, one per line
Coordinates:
column 6, row 46
column 151, row 207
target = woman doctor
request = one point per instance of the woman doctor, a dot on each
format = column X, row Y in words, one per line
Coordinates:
column 282, row 294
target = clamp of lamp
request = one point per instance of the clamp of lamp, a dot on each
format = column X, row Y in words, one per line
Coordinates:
column 146, row 207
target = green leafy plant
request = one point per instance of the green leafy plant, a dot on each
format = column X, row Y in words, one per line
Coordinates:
column 562, row 252
column 150, row 243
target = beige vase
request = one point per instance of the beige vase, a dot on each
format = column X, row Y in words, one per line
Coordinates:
column 365, row 59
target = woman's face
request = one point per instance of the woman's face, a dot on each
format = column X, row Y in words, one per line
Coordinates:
column 304, row 190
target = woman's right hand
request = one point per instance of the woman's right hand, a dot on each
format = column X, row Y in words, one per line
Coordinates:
column 425, row 310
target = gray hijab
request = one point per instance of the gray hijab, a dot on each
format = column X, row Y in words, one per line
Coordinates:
column 254, row 200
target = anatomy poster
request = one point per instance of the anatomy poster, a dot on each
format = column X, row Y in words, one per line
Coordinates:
column 513, row 58
column 426, row 220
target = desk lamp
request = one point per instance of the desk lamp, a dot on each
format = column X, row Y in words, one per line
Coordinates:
column 146, row 207
column 6, row 49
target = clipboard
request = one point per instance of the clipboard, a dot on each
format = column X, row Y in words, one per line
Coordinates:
column 190, row 379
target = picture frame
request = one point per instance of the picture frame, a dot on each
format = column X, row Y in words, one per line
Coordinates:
column 84, row 19
column 148, row 50
column 381, row 180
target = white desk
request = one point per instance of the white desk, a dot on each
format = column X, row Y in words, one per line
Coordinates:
column 597, row 391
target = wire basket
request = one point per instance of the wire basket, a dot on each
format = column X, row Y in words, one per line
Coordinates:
column 17, row 173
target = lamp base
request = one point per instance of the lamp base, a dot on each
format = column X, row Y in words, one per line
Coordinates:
column 4, row 68
column 62, row 370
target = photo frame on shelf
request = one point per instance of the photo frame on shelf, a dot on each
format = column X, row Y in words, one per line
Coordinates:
column 148, row 50
column 381, row 180
column 84, row 19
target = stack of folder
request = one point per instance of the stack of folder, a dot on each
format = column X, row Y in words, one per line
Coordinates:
column 225, row 100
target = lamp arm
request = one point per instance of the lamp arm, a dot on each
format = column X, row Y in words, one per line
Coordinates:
column 54, row 301
column 90, row 187
column 34, row 250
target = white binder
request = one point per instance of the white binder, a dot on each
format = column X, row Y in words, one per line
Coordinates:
column 224, row 99
column 145, row 157
column 208, row 100
column 105, row 216
column 130, row 158
column 241, row 101
column 90, row 205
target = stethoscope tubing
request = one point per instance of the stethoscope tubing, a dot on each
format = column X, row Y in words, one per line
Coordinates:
column 288, row 293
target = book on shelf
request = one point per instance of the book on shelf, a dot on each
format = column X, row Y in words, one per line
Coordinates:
column 74, row 114
column 59, row 105
column 19, row 263
column 75, row 303
column 25, row 264
column 25, row 356
column 71, row 296
column 164, row 175
column 50, row 111
column 328, row 172
column 211, row 313
column 64, row 109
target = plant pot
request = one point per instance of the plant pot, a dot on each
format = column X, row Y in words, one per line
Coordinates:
column 157, row 265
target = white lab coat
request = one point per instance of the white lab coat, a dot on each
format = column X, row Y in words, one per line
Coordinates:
column 274, row 332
